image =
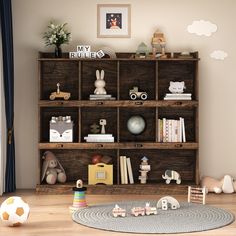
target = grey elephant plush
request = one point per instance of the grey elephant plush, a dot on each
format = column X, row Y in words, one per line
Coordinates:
column 52, row 170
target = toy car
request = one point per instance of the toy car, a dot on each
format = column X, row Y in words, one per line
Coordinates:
column 136, row 211
column 59, row 94
column 118, row 211
column 135, row 94
column 150, row 210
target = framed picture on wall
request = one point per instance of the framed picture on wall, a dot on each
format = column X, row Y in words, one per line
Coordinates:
column 113, row 20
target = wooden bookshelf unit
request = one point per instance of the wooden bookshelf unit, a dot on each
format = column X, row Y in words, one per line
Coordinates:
column 153, row 76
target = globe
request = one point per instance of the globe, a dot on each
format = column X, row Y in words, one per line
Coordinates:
column 136, row 124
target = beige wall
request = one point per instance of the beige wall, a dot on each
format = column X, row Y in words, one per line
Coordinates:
column 217, row 78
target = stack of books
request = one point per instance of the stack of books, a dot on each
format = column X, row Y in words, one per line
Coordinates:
column 171, row 130
column 126, row 172
column 178, row 96
column 99, row 138
column 101, row 97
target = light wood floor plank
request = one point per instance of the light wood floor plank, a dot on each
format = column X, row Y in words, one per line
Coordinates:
column 50, row 215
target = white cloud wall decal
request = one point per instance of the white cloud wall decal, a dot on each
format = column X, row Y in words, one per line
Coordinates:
column 202, row 27
column 219, row 55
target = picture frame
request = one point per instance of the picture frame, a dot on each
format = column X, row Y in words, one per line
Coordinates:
column 113, row 20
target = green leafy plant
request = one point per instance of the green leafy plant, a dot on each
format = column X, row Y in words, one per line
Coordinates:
column 57, row 35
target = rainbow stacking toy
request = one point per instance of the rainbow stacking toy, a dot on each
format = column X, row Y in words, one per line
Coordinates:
column 79, row 197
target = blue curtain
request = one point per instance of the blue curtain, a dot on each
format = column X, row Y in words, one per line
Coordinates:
column 8, row 76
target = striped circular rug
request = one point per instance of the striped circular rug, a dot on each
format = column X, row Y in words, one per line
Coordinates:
column 188, row 218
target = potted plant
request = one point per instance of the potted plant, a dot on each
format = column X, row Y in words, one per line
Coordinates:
column 57, row 35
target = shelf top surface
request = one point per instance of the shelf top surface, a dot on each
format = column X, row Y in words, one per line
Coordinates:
column 46, row 56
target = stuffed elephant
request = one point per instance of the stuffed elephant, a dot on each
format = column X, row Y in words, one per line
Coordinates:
column 52, row 170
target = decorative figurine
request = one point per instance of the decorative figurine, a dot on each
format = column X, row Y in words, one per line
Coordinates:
column 165, row 202
column 52, row 170
column 100, row 174
column 142, row 51
column 103, row 123
column 150, row 210
column 134, row 94
column 136, row 125
column 172, row 175
column 158, row 39
column 79, row 196
column 100, row 83
column 177, row 87
column 61, row 129
column 117, row 211
column 144, row 169
column 197, row 195
column 59, row 94
column 94, row 128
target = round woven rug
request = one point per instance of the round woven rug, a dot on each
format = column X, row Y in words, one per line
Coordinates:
column 188, row 218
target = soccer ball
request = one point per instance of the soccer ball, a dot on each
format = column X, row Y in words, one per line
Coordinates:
column 14, row 211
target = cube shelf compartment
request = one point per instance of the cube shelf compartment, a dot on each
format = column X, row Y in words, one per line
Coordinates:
column 152, row 76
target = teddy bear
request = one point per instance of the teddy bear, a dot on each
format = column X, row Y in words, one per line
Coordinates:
column 226, row 184
column 52, row 170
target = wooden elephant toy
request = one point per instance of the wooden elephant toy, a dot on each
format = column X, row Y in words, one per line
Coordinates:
column 172, row 175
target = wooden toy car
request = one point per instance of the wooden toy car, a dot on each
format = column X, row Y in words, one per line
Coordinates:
column 150, row 210
column 136, row 211
column 59, row 94
column 135, row 94
column 118, row 211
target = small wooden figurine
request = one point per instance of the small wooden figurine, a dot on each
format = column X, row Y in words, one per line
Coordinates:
column 158, row 39
column 172, row 175
column 100, row 83
column 144, row 169
column 197, row 195
column 79, row 196
column 100, row 174
column 135, row 94
column 165, row 202
column 103, row 123
column 59, row 94
column 94, row 128
column 118, row 211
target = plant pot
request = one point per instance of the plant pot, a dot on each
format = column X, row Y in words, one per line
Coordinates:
column 58, row 52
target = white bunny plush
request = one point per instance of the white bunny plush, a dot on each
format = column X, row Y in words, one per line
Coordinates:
column 100, row 83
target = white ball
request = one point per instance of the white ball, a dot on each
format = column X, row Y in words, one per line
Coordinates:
column 14, row 211
column 136, row 124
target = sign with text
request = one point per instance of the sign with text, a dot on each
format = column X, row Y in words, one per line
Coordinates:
column 84, row 51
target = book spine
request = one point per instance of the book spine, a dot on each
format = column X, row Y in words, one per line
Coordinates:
column 164, row 130
column 180, row 130
column 183, row 129
column 159, row 130
column 122, row 169
column 125, row 170
column 170, row 131
column 167, row 130
column 130, row 172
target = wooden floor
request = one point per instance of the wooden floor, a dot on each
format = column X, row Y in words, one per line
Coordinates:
column 50, row 215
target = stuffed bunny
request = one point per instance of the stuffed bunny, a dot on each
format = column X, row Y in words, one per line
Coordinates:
column 100, row 83
column 52, row 169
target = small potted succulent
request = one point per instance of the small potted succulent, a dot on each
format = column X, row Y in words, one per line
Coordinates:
column 57, row 35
